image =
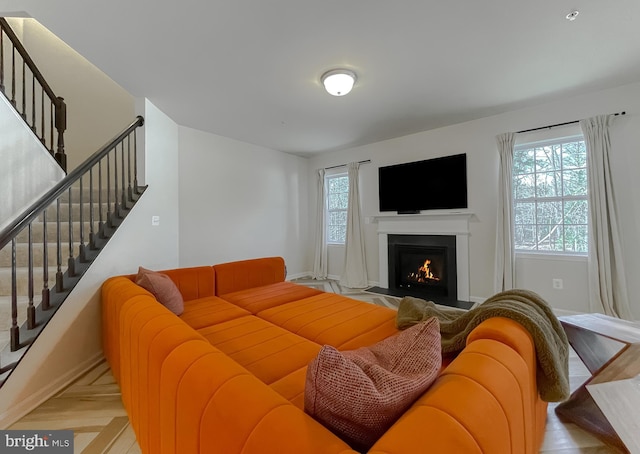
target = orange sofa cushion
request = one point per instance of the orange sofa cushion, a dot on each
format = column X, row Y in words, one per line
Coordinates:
column 359, row 393
column 268, row 296
column 210, row 310
column 291, row 387
column 267, row 351
column 334, row 320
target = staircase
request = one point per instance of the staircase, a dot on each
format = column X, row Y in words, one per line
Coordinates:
column 46, row 250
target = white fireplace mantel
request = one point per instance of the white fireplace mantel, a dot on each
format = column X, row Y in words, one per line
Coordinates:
column 431, row 223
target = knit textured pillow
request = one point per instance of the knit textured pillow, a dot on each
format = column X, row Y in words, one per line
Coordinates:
column 163, row 288
column 359, row 394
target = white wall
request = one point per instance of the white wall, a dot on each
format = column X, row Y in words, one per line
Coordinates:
column 477, row 139
column 97, row 107
column 27, row 170
column 240, row 201
column 72, row 340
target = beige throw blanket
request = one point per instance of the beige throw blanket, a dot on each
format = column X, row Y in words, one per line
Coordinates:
column 522, row 306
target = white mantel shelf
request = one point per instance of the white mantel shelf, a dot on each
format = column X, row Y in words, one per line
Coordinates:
column 435, row 214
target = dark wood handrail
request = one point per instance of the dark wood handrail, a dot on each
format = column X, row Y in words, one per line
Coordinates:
column 37, row 207
column 32, row 66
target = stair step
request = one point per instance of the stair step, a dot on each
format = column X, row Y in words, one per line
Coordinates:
column 75, row 192
column 22, row 254
column 52, row 231
column 75, row 211
column 22, row 281
column 5, row 317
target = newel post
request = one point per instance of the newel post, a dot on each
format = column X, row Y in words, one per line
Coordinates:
column 61, row 126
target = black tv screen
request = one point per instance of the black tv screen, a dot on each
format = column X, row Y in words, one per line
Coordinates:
column 433, row 184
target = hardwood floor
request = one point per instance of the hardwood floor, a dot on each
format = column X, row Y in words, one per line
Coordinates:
column 92, row 407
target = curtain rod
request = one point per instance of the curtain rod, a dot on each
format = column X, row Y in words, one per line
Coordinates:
column 366, row 161
column 562, row 124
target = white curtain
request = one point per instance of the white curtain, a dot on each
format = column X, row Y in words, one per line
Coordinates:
column 607, row 284
column 320, row 258
column 505, row 273
column 355, row 269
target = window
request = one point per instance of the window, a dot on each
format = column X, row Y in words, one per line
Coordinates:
column 550, row 196
column 337, row 202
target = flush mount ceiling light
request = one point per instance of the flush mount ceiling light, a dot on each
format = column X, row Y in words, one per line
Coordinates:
column 338, row 82
column 572, row 15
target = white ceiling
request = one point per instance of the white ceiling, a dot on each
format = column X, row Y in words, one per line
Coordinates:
column 250, row 69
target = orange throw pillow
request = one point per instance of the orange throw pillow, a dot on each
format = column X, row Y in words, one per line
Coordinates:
column 359, row 394
column 163, row 288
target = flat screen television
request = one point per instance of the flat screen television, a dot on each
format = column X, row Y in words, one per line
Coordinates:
column 433, row 184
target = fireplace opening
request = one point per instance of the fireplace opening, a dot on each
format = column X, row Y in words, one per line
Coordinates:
column 422, row 268
column 424, row 265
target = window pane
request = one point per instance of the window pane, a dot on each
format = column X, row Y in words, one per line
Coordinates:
column 549, row 213
column 550, row 238
column 575, row 182
column 332, row 234
column 548, row 158
column 338, row 201
column 525, row 213
column 337, row 233
column 523, row 161
column 338, row 184
column 338, row 218
column 524, row 186
column 548, row 184
column 574, row 154
column 576, row 212
column 575, row 238
column 525, row 237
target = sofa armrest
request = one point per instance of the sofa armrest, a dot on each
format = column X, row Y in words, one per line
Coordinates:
column 241, row 275
column 510, row 333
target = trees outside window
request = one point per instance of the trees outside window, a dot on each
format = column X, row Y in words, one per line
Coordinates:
column 550, row 197
column 337, row 202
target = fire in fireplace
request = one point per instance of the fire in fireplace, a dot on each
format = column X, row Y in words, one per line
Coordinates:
column 424, row 275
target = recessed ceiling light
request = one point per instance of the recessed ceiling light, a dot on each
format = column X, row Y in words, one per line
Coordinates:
column 572, row 15
column 338, row 82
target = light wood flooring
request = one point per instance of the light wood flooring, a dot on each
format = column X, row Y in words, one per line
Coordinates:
column 92, row 407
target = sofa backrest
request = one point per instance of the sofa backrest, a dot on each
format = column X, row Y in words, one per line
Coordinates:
column 193, row 283
column 235, row 276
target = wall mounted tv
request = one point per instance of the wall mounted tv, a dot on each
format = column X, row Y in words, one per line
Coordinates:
column 433, row 184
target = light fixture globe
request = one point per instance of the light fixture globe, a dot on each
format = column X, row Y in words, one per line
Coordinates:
column 338, row 82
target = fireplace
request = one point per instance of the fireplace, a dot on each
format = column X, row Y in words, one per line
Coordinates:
column 432, row 224
column 424, row 265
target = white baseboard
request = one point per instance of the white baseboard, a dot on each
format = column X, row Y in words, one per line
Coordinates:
column 291, row 277
column 25, row 406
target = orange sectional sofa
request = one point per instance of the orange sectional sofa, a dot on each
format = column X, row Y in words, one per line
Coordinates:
column 227, row 376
